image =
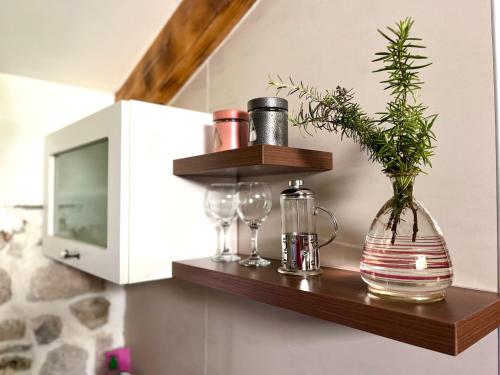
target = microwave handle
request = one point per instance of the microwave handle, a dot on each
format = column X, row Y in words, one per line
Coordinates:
column 66, row 254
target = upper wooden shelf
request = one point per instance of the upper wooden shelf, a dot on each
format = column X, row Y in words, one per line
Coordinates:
column 340, row 296
column 254, row 160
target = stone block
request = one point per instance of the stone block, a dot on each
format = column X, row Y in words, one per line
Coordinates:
column 47, row 328
column 5, row 287
column 91, row 312
column 15, row 348
column 12, row 329
column 14, row 362
column 58, row 281
column 103, row 342
column 65, row 360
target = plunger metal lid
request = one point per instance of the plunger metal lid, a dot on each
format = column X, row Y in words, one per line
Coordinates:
column 297, row 191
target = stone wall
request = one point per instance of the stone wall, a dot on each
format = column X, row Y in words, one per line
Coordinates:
column 54, row 320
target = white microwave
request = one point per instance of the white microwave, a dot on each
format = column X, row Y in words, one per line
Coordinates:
column 112, row 206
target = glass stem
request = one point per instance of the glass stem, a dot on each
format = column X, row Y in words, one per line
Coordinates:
column 225, row 245
column 255, row 234
column 218, row 230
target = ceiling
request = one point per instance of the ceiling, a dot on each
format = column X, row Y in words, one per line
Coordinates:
column 89, row 43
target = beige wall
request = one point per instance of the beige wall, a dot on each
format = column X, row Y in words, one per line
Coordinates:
column 190, row 330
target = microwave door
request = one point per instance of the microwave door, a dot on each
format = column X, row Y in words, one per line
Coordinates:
column 81, row 194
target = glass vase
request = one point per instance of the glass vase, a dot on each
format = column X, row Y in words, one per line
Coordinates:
column 405, row 255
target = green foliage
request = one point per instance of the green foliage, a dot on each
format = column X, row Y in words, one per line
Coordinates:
column 401, row 137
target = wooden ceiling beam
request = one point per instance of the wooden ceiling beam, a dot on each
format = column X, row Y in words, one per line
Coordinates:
column 193, row 32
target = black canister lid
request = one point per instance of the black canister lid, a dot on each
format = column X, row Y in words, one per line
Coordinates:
column 268, row 102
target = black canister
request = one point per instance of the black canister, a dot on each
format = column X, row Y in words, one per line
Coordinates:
column 268, row 121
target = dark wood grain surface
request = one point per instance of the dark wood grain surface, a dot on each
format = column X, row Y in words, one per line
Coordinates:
column 340, row 296
column 193, row 32
column 254, row 160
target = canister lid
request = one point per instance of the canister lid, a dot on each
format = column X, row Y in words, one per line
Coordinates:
column 228, row 114
column 297, row 191
column 267, row 102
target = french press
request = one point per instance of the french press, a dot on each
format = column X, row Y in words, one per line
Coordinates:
column 299, row 240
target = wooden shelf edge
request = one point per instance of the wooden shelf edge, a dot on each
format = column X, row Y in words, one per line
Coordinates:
column 402, row 322
column 477, row 326
column 267, row 158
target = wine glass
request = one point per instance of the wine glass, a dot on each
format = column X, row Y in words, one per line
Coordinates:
column 254, row 205
column 220, row 206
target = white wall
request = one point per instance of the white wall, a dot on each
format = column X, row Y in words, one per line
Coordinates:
column 29, row 109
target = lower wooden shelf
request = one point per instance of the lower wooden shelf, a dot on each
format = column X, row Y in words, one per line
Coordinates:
column 340, row 296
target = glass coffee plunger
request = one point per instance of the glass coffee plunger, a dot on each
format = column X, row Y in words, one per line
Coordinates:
column 299, row 239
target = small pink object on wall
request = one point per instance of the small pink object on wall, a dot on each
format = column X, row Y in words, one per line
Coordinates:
column 122, row 355
column 230, row 129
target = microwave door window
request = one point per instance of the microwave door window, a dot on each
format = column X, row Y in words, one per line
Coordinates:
column 81, row 194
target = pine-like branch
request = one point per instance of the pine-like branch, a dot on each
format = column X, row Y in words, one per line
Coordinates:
column 401, row 139
column 334, row 111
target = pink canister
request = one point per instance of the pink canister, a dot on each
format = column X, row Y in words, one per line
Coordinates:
column 230, row 129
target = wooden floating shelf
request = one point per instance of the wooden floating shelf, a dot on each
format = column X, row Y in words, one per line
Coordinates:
column 340, row 296
column 254, row 160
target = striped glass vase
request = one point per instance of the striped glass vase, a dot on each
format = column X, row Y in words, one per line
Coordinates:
column 405, row 255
